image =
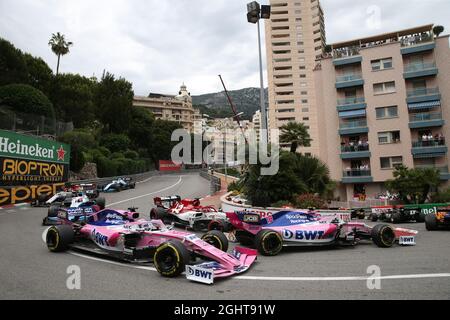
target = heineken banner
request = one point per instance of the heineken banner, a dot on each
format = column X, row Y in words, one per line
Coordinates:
column 30, row 166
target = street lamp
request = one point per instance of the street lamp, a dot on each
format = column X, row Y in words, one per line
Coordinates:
column 255, row 12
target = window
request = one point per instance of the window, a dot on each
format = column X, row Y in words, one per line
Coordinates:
column 387, row 112
column 305, row 110
column 306, row 119
column 381, row 64
column 305, row 101
column 391, row 162
column 389, row 137
column 304, row 93
column 384, row 87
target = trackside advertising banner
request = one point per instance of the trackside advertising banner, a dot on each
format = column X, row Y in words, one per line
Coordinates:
column 168, row 165
column 30, row 166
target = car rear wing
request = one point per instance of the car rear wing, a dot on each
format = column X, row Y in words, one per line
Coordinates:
column 160, row 200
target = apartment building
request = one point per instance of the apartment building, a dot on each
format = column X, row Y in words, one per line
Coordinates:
column 383, row 101
column 176, row 108
column 256, row 120
column 295, row 38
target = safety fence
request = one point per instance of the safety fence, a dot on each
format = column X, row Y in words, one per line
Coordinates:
column 216, row 183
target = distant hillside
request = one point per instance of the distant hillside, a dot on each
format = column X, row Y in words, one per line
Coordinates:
column 216, row 104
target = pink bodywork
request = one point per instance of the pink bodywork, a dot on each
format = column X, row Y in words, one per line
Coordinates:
column 109, row 238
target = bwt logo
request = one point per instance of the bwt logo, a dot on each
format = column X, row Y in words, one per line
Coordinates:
column 302, row 235
column 200, row 273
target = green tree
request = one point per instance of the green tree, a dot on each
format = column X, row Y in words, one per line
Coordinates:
column 73, row 97
column 40, row 75
column 114, row 101
column 13, row 67
column 413, row 185
column 437, row 30
column 115, row 142
column 162, row 145
column 80, row 141
column 60, row 47
column 24, row 98
column 296, row 134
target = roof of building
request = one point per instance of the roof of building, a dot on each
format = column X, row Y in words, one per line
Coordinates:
column 383, row 36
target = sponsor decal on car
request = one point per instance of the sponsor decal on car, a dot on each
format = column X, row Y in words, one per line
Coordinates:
column 301, row 235
column 99, row 238
column 407, row 240
column 200, row 274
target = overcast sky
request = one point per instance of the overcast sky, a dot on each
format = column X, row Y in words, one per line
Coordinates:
column 158, row 44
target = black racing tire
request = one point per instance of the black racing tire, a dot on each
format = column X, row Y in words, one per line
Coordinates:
column 53, row 211
column 269, row 242
column 420, row 217
column 170, row 258
column 201, row 225
column 101, row 202
column 373, row 217
column 383, row 235
column 396, row 217
column 41, row 198
column 59, row 238
column 216, row 225
column 431, row 223
column 133, row 186
column 217, row 239
column 158, row 214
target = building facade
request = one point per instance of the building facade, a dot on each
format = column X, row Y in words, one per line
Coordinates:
column 295, row 38
column 177, row 108
column 384, row 101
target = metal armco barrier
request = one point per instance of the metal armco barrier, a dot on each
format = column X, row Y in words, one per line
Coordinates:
column 216, row 184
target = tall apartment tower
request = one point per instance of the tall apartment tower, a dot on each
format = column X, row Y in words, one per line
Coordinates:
column 295, row 38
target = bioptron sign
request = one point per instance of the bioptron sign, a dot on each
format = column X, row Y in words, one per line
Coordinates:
column 30, row 166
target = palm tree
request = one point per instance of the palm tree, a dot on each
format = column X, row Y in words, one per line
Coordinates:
column 296, row 134
column 59, row 46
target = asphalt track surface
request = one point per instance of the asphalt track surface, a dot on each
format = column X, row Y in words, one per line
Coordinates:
column 29, row 271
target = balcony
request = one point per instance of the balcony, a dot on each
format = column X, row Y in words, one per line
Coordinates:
column 355, row 152
column 426, row 120
column 417, row 70
column 357, row 176
column 353, row 127
column 423, row 95
column 444, row 173
column 350, row 104
column 418, row 43
column 346, row 56
column 349, row 81
column 429, row 149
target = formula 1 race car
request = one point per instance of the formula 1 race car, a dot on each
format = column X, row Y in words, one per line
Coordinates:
column 76, row 208
column 119, row 184
column 68, row 192
column 291, row 228
column 122, row 235
column 187, row 213
column 405, row 213
column 437, row 219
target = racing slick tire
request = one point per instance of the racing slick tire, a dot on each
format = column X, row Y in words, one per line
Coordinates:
column 420, row 217
column 158, row 214
column 53, row 211
column 101, row 202
column 431, row 223
column 383, row 235
column 396, row 217
column 170, row 258
column 373, row 217
column 133, row 186
column 59, row 238
column 269, row 242
column 217, row 239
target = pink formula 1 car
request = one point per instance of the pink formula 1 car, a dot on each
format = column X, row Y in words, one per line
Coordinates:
column 303, row 228
column 121, row 234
